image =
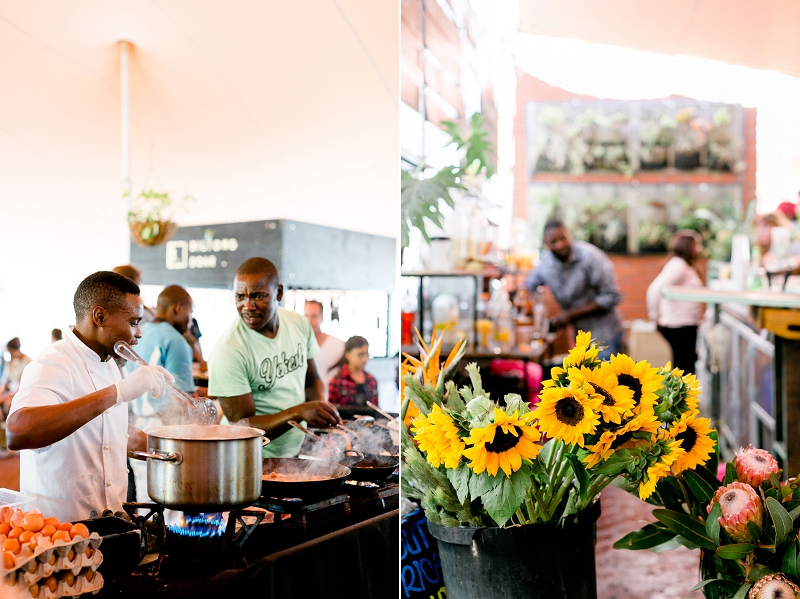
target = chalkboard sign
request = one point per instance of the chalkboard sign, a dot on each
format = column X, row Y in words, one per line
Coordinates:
column 307, row 256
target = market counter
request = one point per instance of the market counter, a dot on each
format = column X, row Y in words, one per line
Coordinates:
column 755, row 388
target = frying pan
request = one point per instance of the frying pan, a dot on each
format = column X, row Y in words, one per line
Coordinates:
column 371, row 467
column 335, row 475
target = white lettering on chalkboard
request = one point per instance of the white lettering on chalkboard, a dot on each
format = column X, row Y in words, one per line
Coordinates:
column 203, row 261
column 179, row 253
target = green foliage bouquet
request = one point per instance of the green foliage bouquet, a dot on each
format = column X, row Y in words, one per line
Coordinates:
column 475, row 461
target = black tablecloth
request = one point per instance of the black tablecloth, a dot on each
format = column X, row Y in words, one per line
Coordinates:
column 358, row 562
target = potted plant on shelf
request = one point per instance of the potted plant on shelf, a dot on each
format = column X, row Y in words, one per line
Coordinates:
column 149, row 217
column 512, row 493
column 690, row 139
column 656, row 136
column 745, row 525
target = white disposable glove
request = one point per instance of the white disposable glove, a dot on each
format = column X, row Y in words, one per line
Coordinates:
column 140, row 381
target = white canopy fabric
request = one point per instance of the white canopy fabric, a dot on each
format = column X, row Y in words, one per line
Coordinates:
column 258, row 109
column 760, row 34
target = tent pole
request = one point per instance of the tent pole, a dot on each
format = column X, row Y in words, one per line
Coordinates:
column 125, row 115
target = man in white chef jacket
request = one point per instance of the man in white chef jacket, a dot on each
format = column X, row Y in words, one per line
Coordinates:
column 70, row 415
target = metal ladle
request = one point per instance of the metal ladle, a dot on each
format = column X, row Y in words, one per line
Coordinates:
column 126, row 351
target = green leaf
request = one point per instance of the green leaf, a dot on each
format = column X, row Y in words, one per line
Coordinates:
column 775, row 481
column 712, row 523
column 647, row 537
column 758, row 571
column 789, row 562
column 781, row 519
column 735, row 551
column 459, row 478
column 580, row 475
column 754, row 530
column 722, row 582
column 617, row 463
column 708, row 476
column 743, row 590
column 794, row 513
column 688, row 528
column 505, row 499
column 420, row 199
column 730, row 474
column 481, row 484
column 701, row 489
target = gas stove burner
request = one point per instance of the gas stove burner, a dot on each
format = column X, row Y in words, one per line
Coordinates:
column 362, row 483
column 200, row 526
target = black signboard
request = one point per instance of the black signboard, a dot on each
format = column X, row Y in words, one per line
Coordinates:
column 307, row 256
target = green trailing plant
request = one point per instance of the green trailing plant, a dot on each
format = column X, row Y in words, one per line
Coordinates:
column 150, row 211
column 422, row 193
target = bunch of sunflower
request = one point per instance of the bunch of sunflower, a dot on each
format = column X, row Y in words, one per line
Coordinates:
column 495, row 463
column 624, row 418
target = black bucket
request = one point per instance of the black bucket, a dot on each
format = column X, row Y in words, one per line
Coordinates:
column 537, row 561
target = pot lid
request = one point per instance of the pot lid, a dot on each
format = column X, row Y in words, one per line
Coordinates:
column 196, row 432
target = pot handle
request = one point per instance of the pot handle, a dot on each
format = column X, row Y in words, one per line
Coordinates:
column 265, row 440
column 354, row 453
column 154, row 454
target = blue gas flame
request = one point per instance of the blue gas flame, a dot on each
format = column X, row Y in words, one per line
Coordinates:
column 201, row 526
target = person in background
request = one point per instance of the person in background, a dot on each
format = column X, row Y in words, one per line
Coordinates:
column 581, row 277
column 135, row 275
column 12, row 374
column 262, row 368
column 192, row 335
column 56, row 335
column 678, row 321
column 162, row 344
column 331, row 349
column 353, row 387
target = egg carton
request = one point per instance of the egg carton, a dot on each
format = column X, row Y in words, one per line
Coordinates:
column 59, row 587
column 53, row 554
column 74, row 563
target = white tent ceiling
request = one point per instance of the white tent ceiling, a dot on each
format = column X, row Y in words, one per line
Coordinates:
column 760, row 34
column 258, row 109
column 250, row 103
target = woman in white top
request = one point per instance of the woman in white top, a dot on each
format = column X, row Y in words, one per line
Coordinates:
column 677, row 321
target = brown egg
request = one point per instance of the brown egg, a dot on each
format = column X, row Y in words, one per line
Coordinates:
column 79, row 530
column 34, row 590
column 68, row 577
column 51, row 582
column 88, row 574
column 11, row 545
column 33, row 521
column 9, row 563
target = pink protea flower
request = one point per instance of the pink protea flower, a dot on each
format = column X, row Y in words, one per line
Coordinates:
column 740, row 504
column 774, row 586
column 754, row 466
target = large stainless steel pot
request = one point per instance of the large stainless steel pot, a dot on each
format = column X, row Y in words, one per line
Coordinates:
column 196, row 468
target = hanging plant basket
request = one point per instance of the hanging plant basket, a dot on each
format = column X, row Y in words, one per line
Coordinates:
column 154, row 232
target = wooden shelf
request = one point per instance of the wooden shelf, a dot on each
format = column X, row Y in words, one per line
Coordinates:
column 643, row 177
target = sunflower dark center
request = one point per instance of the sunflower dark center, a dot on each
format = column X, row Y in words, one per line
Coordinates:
column 503, row 441
column 608, row 399
column 632, row 383
column 569, row 411
column 621, row 440
column 687, row 438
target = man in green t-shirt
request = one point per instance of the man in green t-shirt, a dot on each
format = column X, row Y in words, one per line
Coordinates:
column 262, row 368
